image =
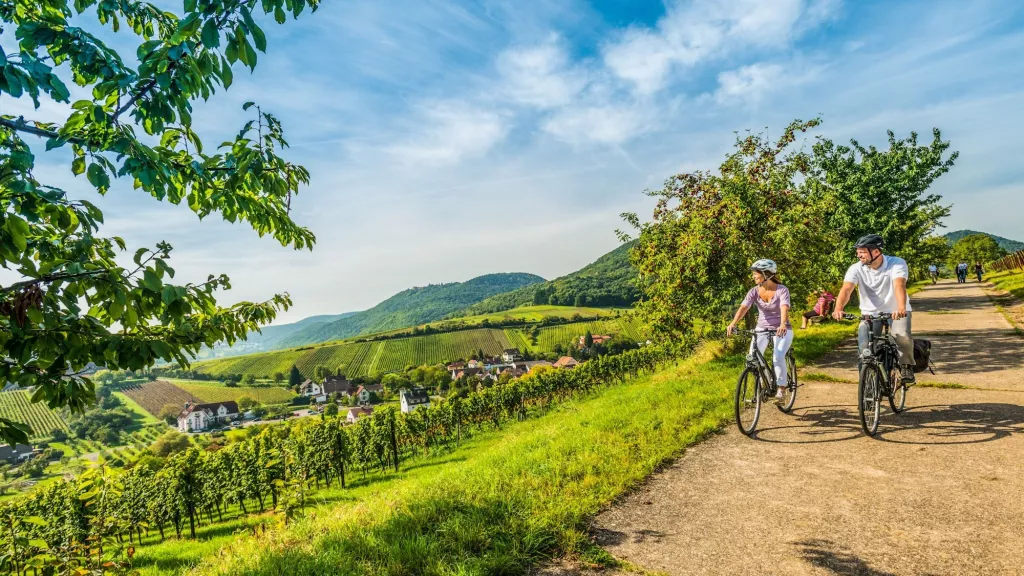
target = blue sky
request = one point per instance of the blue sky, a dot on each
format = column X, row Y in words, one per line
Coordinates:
column 451, row 139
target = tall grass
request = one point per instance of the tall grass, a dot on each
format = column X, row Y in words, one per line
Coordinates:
column 511, row 497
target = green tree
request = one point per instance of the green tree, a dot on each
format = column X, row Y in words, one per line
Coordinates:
column 975, row 248
column 249, row 379
column 879, row 191
column 320, row 373
column 246, row 403
column 171, row 442
column 331, row 410
column 169, row 413
column 294, row 377
column 75, row 303
column 694, row 257
column 278, row 378
column 588, row 339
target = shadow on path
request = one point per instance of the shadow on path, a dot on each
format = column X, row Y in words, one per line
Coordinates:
column 829, row 556
column 934, row 424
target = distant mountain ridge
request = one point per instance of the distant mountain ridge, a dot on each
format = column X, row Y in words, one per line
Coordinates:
column 270, row 336
column 412, row 307
column 1004, row 243
column 608, row 281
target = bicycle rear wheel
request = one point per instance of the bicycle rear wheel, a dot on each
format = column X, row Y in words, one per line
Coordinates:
column 789, row 392
column 869, row 398
column 748, row 401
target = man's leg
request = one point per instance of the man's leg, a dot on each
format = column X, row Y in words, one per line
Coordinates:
column 905, row 344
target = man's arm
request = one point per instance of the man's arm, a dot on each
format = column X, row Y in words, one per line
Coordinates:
column 900, row 287
column 842, row 300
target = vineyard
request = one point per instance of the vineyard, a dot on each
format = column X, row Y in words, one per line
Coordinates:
column 368, row 358
column 153, row 396
column 16, row 405
column 211, row 392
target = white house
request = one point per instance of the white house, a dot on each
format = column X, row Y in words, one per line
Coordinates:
column 321, row 390
column 511, row 355
column 198, row 417
column 356, row 412
column 362, row 393
column 413, row 399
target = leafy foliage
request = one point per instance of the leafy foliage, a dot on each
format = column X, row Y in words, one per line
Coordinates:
column 871, row 191
column 975, row 248
column 608, row 281
column 694, row 257
column 75, row 303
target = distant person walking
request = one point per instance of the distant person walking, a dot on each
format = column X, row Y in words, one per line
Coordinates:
column 961, row 272
column 933, row 272
column 979, row 270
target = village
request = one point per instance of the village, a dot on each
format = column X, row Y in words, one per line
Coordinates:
column 361, row 398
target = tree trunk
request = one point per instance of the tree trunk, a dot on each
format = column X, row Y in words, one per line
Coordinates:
column 192, row 520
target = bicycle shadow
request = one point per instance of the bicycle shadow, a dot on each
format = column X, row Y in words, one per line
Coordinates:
column 932, row 424
column 835, row 559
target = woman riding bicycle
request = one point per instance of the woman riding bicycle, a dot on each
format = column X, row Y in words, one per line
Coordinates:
column 772, row 301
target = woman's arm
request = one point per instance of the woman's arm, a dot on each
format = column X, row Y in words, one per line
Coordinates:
column 736, row 318
column 785, row 320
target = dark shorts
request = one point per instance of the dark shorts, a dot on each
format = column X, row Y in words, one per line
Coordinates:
column 811, row 314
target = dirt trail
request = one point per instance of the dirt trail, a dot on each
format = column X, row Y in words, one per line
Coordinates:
column 940, row 490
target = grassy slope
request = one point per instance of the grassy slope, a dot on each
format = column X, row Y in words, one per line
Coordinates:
column 504, row 500
column 142, row 416
column 1012, row 282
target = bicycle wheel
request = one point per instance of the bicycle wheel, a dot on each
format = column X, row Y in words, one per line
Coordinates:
column 869, row 398
column 789, row 392
column 898, row 396
column 748, row 401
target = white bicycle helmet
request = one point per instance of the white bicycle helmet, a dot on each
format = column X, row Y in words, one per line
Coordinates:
column 765, row 265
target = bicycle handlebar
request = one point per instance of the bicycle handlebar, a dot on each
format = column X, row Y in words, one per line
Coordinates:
column 882, row 316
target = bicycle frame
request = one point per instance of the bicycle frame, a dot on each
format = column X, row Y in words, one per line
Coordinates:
column 883, row 348
column 757, row 361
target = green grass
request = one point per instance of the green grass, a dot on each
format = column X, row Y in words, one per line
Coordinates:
column 945, row 385
column 822, row 377
column 215, row 392
column 16, row 405
column 1012, row 282
column 504, row 500
column 142, row 416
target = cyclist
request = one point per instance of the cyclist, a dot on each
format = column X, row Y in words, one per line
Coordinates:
column 882, row 284
column 772, row 301
column 933, row 271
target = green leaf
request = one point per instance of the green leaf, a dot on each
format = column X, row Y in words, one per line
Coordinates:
column 151, row 281
column 78, row 165
column 38, row 543
column 226, row 75
column 190, row 5
column 279, row 15
column 3, row 57
column 248, row 105
column 211, row 35
column 258, row 37
column 38, row 521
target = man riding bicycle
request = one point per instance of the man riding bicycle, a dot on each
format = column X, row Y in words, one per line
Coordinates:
column 882, row 284
column 933, row 272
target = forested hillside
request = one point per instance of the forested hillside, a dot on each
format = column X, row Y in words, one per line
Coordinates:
column 412, row 307
column 608, row 281
column 1004, row 243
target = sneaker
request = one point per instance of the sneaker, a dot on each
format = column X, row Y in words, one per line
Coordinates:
column 907, row 375
column 780, row 395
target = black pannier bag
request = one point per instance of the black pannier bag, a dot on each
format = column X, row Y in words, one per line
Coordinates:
column 922, row 355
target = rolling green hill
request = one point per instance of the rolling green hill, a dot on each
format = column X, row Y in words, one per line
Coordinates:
column 608, row 281
column 362, row 358
column 1004, row 243
column 269, row 337
column 412, row 307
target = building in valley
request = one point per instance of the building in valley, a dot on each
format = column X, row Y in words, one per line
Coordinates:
column 198, row 417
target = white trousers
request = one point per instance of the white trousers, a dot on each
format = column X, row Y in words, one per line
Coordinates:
column 779, row 351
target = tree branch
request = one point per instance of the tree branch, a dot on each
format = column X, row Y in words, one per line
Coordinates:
column 131, row 102
column 21, row 125
column 49, row 278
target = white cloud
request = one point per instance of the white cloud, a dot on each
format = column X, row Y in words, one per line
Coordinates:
column 539, row 76
column 449, row 131
column 693, row 32
column 748, row 83
column 611, row 124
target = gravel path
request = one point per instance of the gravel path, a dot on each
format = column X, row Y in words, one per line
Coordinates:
column 940, row 490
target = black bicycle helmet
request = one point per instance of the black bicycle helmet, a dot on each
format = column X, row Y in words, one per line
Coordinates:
column 870, row 241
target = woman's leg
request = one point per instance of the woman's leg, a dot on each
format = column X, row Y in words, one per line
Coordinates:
column 782, row 345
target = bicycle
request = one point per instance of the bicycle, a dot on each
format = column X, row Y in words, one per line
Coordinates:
column 879, row 374
column 757, row 384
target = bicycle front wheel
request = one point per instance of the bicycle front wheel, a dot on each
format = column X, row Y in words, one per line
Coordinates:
column 869, row 399
column 748, row 401
column 789, row 392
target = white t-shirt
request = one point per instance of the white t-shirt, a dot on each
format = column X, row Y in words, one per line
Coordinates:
column 877, row 287
column 932, row 268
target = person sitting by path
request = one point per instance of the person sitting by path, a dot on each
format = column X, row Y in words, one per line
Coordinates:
column 882, row 284
column 979, row 270
column 821, row 308
column 773, row 303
